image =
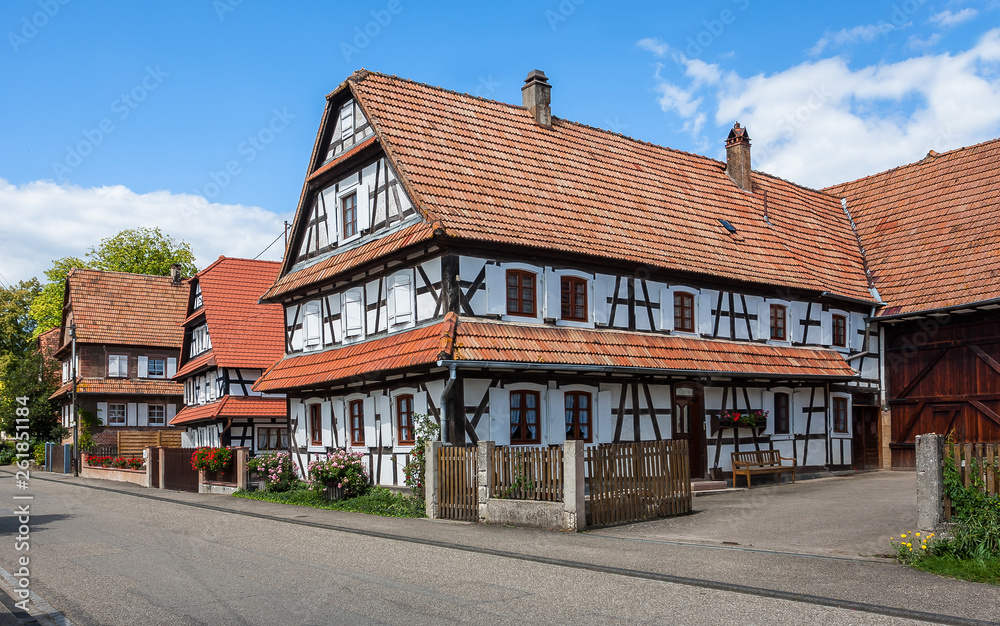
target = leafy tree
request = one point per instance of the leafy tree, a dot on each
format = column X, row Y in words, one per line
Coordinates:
column 47, row 308
column 142, row 251
column 33, row 377
column 16, row 324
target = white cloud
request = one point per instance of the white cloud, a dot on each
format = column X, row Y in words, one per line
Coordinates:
column 43, row 221
column 824, row 122
column 946, row 18
column 848, row 36
column 654, row 45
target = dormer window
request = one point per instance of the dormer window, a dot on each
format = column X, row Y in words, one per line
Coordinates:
column 778, row 322
column 684, row 311
column 198, row 300
column 521, row 293
column 574, row 299
column 349, row 213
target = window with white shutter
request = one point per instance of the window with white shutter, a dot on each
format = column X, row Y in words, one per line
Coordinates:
column 311, row 324
column 401, row 299
column 353, row 314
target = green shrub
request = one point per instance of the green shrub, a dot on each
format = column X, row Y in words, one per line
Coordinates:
column 277, row 470
column 342, row 469
column 38, row 454
column 376, row 501
column 7, row 453
column 976, row 534
column 416, row 470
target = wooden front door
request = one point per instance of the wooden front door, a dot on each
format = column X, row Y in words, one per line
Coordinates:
column 865, row 450
column 689, row 424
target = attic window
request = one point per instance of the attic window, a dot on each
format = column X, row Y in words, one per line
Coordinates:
column 727, row 225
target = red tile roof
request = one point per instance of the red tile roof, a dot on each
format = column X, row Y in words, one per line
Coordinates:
column 200, row 362
column 420, row 346
column 122, row 386
column 232, row 406
column 244, row 333
column 464, row 339
column 116, row 308
column 487, row 172
column 930, row 228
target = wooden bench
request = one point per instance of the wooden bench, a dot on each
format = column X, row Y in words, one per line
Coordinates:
column 761, row 462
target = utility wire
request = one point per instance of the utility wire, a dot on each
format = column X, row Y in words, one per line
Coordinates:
column 269, row 245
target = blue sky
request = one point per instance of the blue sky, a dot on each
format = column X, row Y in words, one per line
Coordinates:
column 119, row 114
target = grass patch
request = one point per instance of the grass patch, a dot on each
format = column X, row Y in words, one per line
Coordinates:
column 974, row 570
column 377, row 501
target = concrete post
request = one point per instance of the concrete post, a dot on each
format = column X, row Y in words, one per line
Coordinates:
column 431, row 499
column 150, row 451
column 484, row 475
column 163, row 455
column 242, row 455
column 201, row 482
column 574, row 500
column 930, row 482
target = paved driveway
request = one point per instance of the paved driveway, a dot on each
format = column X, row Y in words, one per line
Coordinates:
column 847, row 516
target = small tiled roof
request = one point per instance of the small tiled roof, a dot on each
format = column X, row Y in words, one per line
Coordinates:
column 48, row 342
column 232, row 406
column 420, row 346
column 200, row 362
column 930, row 229
column 465, row 339
column 117, row 308
column 488, row 173
column 122, row 386
column 244, row 332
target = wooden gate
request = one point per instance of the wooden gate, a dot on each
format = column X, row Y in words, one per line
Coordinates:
column 177, row 471
column 943, row 377
column 977, row 463
column 153, row 461
column 629, row 482
column 458, row 490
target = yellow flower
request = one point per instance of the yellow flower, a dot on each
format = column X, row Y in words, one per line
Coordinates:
column 909, row 545
column 903, row 536
column 923, row 547
column 918, row 534
column 930, row 535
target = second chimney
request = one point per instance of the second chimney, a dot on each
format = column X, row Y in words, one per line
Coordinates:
column 537, row 95
column 738, row 157
column 175, row 273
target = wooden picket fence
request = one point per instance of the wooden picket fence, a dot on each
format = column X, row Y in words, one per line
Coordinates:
column 527, row 473
column 458, row 495
column 972, row 460
column 630, row 482
column 133, row 442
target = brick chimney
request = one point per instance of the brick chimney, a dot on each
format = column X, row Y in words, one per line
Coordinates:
column 738, row 157
column 537, row 95
column 175, row 273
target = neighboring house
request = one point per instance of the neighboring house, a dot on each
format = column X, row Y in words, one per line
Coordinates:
column 128, row 338
column 526, row 279
column 930, row 235
column 229, row 339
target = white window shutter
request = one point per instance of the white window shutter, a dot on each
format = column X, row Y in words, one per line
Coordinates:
column 143, row 367
column 353, row 312
column 390, row 301
column 339, row 440
column 706, row 302
column 553, row 295
column 171, row 412
column 131, row 414
column 768, row 404
column 496, row 290
column 402, row 298
column 364, row 208
column 602, row 310
column 301, row 436
column 311, row 323
column 65, row 371
column 326, row 414
column 826, row 336
column 112, row 365
column 143, row 414
column 605, row 427
column 387, row 428
column 371, row 434
column 666, row 309
column 764, row 320
column 383, row 407
column 419, row 405
column 102, row 413
column 171, row 366
column 556, row 418
column 855, row 331
column 500, row 416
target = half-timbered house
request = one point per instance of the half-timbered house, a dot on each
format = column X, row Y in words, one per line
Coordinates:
column 929, row 232
column 525, row 279
column 128, row 338
column 229, row 340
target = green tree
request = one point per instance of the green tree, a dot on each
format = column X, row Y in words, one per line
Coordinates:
column 32, row 378
column 47, row 308
column 16, row 323
column 142, row 251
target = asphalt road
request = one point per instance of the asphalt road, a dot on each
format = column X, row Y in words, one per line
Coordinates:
column 102, row 557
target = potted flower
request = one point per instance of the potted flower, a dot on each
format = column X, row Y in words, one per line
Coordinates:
column 211, row 460
column 275, row 470
column 341, row 474
column 750, row 419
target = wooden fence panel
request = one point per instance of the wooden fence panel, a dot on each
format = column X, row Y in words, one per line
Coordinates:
column 527, row 473
column 977, row 463
column 458, row 491
column 629, row 482
column 133, row 442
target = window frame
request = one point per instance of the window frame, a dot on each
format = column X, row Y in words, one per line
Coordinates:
column 405, row 425
column 281, row 436
column 839, row 421
column 573, row 422
column 788, row 413
column 521, row 274
column 783, row 326
column 679, row 309
column 834, row 318
column 342, row 201
column 149, row 367
column 315, row 424
column 149, row 414
column 124, row 414
column 522, row 423
column 573, row 282
column 118, row 360
column 357, row 428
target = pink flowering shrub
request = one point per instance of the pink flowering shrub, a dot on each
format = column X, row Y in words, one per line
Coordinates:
column 277, row 470
column 342, row 469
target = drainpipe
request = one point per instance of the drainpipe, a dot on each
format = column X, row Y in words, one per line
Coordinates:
column 446, row 394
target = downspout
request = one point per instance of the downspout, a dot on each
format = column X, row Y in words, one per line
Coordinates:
column 446, row 394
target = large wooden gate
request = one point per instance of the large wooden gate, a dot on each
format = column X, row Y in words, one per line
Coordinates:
column 943, row 376
column 177, row 471
column 458, row 490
